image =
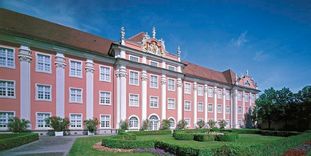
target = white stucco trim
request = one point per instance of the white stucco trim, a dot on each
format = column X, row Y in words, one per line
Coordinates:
column 138, row 125
column 36, row 65
column 14, row 59
column 60, row 84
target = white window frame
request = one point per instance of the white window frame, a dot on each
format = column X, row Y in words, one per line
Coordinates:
column 187, row 90
column 188, row 122
column 74, row 60
column 157, row 101
column 100, row 123
column 246, row 97
column 157, row 82
column 219, row 111
column 168, row 84
column 200, row 110
column 110, row 99
column 187, row 101
column 151, row 61
column 208, row 106
column 130, row 104
column 210, row 92
column 70, row 95
column 76, row 121
column 130, row 82
column 132, row 56
column 240, row 109
column 168, row 104
column 100, row 73
column 227, row 94
column 228, row 108
column 37, row 92
column 171, row 66
column 44, row 123
column 171, row 118
column 200, row 90
column 6, row 89
column 219, row 93
column 6, row 57
column 7, row 119
column 37, row 63
column 138, row 122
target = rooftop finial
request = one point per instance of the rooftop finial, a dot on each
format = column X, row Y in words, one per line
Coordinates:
column 246, row 72
column 122, row 33
column 153, row 32
column 178, row 51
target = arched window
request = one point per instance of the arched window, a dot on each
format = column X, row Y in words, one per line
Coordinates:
column 153, row 123
column 172, row 123
column 133, row 122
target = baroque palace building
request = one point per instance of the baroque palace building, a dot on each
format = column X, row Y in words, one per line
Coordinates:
column 48, row 69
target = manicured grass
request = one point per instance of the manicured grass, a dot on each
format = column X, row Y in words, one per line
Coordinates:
column 83, row 146
column 243, row 140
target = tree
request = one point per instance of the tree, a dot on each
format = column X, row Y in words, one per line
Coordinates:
column 222, row 124
column 145, row 125
column 165, row 124
column 249, row 119
column 123, row 125
column 211, row 124
column 201, row 123
column 58, row 123
column 91, row 124
column 18, row 125
column 181, row 124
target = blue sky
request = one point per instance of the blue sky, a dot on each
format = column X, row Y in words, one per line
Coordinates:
column 270, row 39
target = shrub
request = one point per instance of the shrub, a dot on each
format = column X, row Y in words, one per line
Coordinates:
column 18, row 125
column 181, row 150
column 91, row 124
column 227, row 137
column 159, row 132
column 58, row 123
column 145, row 125
column 201, row 123
column 126, row 136
column 278, row 133
column 181, row 124
column 211, row 124
column 204, row 137
column 245, row 131
column 222, row 124
column 123, row 125
column 17, row 140
column 126, row 141
column 165, row 124
column 183, row 136
column 203, row 130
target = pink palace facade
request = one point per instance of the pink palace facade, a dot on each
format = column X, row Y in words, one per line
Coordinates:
column 48, row 69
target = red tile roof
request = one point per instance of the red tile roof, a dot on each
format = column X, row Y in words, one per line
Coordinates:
column 227, row 77
column 138, row 37
column 37, row 28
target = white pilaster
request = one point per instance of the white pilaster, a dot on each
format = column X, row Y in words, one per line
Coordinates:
column 121, row 94
column 144, row 78
column 195, row 103
column 179, row 99
column 144, row 60
column 215, row 103
column 224, row 104
column 25, row 60
column 60, row 84
column 234, row 111
column 163, row 87
column 205, row 102
column 243, row 103
column 89, row 68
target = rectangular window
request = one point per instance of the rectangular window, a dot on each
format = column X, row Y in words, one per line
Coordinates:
column 187, row 88
column 4, row 119
column 134, row 58
column 105, row 121
column 246, row 97
column 171, row 84
column 154, row 102
column 219, row 94
column 219, row 109
column 187, row 122
column 227, row 95
column 210, row 92
column 200, row 107
column 200, row 90
column 134, row 78
column 240, row 109
column 153, row 81
column 171, row 104
column 187, row 106
column 75, row 120
column 134, row 100
column 210, row 107
column 76, row 95
column 43, row 63
column 104, row 73
column 172, row 68
column 44, row 92
column 75, row 68
column 105, row 98
column 7, row 58
column 154, row 63
column 41, row 120
column 239, row 96
column 228, row 109
column 7, row 88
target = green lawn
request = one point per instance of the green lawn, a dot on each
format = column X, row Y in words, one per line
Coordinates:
column 83, row 146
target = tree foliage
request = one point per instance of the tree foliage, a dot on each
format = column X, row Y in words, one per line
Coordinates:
column 18, row 125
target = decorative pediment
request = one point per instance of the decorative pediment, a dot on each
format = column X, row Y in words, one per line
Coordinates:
column 151, row 45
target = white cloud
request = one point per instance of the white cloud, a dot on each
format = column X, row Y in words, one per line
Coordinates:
column 260, row 56
column 240, row 41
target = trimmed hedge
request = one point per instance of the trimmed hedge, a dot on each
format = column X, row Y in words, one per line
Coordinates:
column 126, row 141
column 278, row 133
column 204, row 137
column 227, row 137
column 14, row 140
column 159, row 132
column 183, row 136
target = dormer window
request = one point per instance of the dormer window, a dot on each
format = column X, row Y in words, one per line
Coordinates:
column 170, row 67
column 154, row 63
column 134, row 58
